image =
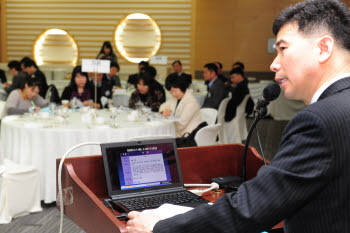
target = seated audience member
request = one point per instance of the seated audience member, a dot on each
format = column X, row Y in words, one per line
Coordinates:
column 103, row 88
column 3, row 79
column 78, row 89
column 20, row 100
column 177, row 67
column 134, row 77
column 33, row 71
column 106, row 52
column 25, row 59
column 106, row 83
column 19, row 77
column 221, row 76
column 151, row 71
column 217, row 90
column 146, row 94
column 183, row 106
column 112, row 78
column 238, row 64
column 239, row 89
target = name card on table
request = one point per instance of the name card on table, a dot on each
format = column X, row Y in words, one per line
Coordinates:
column 159, row 60
column 96, row 66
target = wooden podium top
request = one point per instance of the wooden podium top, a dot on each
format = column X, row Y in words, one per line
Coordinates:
column 84, row 182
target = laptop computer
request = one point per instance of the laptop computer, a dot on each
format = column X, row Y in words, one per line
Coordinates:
column 145, row 174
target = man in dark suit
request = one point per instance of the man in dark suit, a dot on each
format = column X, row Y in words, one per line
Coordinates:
column 133, row 78
column 217, row 90
column 178, row 73
column 33, row 71
column 307, row 184
column 239, row 89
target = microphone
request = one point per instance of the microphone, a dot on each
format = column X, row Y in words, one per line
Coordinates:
column 270, row 93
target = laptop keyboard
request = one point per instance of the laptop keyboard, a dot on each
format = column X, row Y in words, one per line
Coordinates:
column 178, row 198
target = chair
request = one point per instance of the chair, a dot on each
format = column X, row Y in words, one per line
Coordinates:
column 19, row 192
column 235, row 131
column 222, row 110
column 221, row 114
column 207, row 135
column 2, row 108
column 209, row 115
column 52, row 95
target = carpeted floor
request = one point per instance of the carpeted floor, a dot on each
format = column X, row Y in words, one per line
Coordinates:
column 46, row 221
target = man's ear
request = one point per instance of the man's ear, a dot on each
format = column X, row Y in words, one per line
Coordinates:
column 325, row 47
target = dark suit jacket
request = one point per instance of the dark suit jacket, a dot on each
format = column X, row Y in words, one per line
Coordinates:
column 222, row 78
column 307, row 184
column 133, row 78
column 39, row 77
column 216, row 93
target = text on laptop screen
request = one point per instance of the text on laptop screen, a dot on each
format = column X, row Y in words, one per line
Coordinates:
column 142, row 166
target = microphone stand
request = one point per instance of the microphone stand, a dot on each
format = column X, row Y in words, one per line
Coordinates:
column 259, row 114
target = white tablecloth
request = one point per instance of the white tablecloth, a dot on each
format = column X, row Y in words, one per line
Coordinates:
column 39, row 142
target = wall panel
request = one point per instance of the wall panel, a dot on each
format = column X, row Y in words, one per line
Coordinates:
column 91, row 22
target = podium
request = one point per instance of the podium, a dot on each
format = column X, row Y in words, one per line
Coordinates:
column 84, row 182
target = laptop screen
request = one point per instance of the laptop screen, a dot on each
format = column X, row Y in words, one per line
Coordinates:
column 145, row 168
column 141, row 166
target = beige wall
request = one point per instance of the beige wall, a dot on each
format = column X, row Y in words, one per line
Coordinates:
column 228, row 31
column 91, row 22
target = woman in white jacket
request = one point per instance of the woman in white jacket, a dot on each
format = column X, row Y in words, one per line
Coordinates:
column 183, row 106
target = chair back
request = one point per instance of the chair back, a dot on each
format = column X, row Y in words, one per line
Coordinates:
column 235, row 131
column 2, row 109
column 222, row 110
column 207, row 135
column 209, row 115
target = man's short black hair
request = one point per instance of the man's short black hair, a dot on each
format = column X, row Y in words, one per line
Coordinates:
column 239, row 64
column 332, row 15
column 26, row 59
column 14, row 65
column 143, row 63
column 114, row 64
column 212, row 67
column 237, row 70
column 177, row 61
column 28, row 63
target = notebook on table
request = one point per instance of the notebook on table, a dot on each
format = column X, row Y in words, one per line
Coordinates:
column 145, row 174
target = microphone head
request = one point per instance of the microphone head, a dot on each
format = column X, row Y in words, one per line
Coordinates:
column 271, row 92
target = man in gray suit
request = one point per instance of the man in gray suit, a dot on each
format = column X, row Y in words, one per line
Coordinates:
column 217, row 90
column 307, row 184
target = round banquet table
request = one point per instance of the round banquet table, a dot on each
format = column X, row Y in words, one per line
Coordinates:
column 39, row 141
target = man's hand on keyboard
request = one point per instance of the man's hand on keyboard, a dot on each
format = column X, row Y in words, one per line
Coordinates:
column 141, row 222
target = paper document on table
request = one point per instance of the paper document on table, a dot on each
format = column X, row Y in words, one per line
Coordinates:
column 169, row 210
